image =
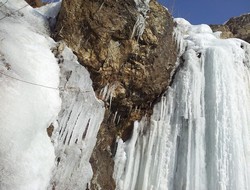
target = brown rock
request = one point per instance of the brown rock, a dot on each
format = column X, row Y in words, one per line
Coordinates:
column 101, row 159
column 50, row 130
column 133, row 62
column 225, row 31
column 35, row 3
column 238, row 27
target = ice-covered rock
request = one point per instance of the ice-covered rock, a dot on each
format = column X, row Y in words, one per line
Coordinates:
column 198, row 137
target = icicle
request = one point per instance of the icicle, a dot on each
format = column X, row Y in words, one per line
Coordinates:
column 118, row 121
column 115, row 117
column 78, row 124
column 199, row 132
column 139, row 26
column 110, row 100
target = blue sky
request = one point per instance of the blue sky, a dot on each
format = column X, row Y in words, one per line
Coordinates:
column 207, row 11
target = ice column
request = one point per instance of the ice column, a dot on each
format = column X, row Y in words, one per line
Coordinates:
column 198, row 136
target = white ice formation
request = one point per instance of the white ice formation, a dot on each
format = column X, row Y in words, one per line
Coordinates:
column 142, row 7
column 77, row 126
column 198, row 137
column 30, row 101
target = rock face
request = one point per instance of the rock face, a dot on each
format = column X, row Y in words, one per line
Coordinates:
column 238, row 27
column 35, row 3
column 224, row 29
column 128, row 48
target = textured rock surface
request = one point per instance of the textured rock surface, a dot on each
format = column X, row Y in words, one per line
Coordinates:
column 238, row 27
column 35, row 3
column 128, row 48
column 224, row 29
column 100, row 33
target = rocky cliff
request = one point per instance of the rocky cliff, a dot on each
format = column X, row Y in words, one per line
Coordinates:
column 238, row 27
column 129, row 50
column 35, row 3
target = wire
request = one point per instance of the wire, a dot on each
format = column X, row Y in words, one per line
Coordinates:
column 44, row 86
column 8, row 15
column 29, row 82
column 21, row 8
column 32, row 83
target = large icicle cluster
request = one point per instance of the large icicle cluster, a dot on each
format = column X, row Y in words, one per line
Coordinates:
column 78, row 123
column 198, row 137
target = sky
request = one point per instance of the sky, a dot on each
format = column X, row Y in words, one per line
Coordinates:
column 207, row 11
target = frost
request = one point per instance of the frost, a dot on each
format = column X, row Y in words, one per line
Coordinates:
column 139, row 26
column 142, row 7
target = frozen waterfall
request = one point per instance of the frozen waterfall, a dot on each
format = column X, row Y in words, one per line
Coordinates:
column 198, row 137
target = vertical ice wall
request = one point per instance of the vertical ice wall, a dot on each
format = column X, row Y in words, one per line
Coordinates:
column 76, row 129
column 198, row 137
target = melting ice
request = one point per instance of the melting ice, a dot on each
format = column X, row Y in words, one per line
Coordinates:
column 198, row 137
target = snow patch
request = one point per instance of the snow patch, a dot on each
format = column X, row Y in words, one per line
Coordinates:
column 26, row 153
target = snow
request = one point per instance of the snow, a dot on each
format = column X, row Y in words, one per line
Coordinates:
column 26, row 153
column 198, row 136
